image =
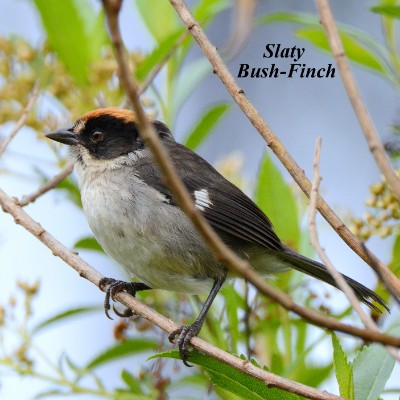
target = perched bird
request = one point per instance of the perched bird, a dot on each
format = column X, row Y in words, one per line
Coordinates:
column 138, row 223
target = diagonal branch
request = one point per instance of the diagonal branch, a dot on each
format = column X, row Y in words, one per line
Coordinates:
column 219, row 249
column 89, row 273
column 360, row 109
column 220, row 69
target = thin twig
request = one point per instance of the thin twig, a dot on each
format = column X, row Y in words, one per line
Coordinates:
column 50, row 184
column 89, row 273
column 220, row 69
column 338, row 277
column 22, row 119
column 222, row 253
column 360, row 109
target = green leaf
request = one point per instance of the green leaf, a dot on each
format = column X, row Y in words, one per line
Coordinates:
column 123, row 349
column 388, row 11
column 72, row 190
column 159, row 16
column 208, row 9
column 371, row 369
column 275, row 197
column 75, row 32
column 123, row 395
column 231, row 379
column 65, row 315
column 299, row 18
column 157, row 55
column 394, row 266
column 205, row 124
column 232, row 304
column 314, row 376
column 354, row 50
column 195, row 379
column 343, row 369
column 190, row 77
column 71, row 364
column 395, row 263
column 88, row 243
column 132, row 382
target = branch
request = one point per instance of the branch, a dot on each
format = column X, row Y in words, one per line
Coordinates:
column 220, row 69
column 86, row 271
column 220, row 251
column 50, row 184
column 22, row 119
column 360, row 109
column 338, row 277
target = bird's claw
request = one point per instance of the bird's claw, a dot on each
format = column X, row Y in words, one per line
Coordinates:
column 112, row 287
column 184, row 333
column 127, row 313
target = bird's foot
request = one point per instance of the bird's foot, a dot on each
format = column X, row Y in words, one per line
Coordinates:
column 184, row 333
column 112, row 287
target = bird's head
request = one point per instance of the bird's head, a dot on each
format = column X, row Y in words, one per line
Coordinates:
column 105, row 134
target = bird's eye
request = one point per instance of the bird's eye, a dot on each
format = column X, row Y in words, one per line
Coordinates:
column 97, row 136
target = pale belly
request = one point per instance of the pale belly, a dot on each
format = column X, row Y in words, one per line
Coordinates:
column 155, row 244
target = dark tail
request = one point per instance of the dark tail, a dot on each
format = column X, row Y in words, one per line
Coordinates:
column 319, row 271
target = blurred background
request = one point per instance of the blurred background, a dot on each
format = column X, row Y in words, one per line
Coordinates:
column 184, row 93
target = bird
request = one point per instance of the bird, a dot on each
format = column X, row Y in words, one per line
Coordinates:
column 137, row 221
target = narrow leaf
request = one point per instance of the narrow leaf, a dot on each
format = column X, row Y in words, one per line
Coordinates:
column 232, row 380
column 299, row 18
column 65, row 315
column 313, row 376
column 388, row 11
column 156, row 56
column 74, row 32
column 88, row 243
column 205, row 124
column 71, row 364
column 275, row 197
column 122, row 349
column 343, row 369
column 159, row 16
column 189, row 78
column 232, row 304
column 354, row 50
column 132, row 382
column 208, row 9
column 122, row 395
column 72, row 190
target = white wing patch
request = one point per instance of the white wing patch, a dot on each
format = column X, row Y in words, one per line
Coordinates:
column 202, row 199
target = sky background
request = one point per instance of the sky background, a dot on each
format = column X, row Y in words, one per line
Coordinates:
column 297, row 110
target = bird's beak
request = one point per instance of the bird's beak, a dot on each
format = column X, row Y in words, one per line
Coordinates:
column 64, row 136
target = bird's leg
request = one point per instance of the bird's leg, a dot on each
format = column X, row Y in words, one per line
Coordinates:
column 113, row 287
column 186, row 332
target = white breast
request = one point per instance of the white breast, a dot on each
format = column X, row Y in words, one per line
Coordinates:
column 148, row 238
